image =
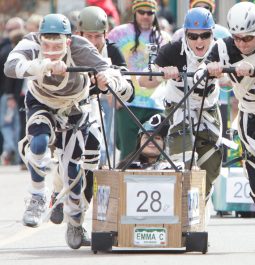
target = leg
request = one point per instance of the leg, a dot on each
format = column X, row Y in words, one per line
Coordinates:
column 246, row 131
column 36, row 155
column 72, row 144
column 210, row 154
column 38, row 158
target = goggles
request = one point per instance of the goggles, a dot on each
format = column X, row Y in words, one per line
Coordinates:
column 203, row 36
column 245, row 39
column 143, row 12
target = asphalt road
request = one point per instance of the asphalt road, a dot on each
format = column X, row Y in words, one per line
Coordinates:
column 232, row 240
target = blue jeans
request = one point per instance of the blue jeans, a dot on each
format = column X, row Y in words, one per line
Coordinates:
column 108, row 126
column 10, row 130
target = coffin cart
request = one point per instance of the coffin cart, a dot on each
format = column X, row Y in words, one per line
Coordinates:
column 145, row 210
column 136, row 210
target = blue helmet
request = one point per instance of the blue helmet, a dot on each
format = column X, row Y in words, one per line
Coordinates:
column 153, row 123
column 198, row 18
column 55, row 23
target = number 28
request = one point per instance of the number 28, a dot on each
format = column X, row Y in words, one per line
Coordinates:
column 155, row 204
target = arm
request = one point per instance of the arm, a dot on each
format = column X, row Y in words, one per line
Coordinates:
column 23, row 62
column 126, row 93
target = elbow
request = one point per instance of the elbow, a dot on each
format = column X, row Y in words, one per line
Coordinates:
column 7, row 71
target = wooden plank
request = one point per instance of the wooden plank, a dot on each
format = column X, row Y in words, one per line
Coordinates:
column 117, row 205
column 106, row 178
column 194, row 179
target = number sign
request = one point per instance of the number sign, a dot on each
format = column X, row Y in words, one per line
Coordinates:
column 150, row 199
column 238, row 189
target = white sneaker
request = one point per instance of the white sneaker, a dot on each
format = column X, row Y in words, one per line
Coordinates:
column 77, row 236
column 35, row 208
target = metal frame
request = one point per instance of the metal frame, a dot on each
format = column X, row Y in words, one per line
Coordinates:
column 178, row 105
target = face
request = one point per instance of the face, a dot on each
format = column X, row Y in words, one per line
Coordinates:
column 96, row 38
column 199, row 41
column 144, row 18
column 245, row 43
column 151, row 151
column 54, row 49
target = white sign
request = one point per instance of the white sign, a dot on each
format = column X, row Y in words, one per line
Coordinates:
column 238, row 189
column 103, row 195
column 150, row 237
column 193, row 206
column 150, row 199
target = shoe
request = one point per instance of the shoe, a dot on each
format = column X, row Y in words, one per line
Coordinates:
column 36, row 207
column 77, row 236
column 57, row 214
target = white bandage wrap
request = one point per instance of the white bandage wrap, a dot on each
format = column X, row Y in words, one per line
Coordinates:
column 198, row 74
column 39, row 67
column 120, row 85
column 40, row 161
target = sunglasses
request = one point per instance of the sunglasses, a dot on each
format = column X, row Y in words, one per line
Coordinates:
column 203, row 36
column 247, row 38
column 143, row 12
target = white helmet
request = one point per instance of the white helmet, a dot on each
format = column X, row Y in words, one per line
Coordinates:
column 241, row 18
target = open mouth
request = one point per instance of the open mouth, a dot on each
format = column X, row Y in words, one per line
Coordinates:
column 200, row 48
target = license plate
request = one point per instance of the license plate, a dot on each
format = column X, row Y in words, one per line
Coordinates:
column 150, row 236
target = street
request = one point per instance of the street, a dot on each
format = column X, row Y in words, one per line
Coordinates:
column 232, row 240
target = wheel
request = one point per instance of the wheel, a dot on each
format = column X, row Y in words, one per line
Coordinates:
column 95, row 251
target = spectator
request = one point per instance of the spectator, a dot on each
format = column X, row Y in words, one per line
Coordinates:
column 136, row 41
column 10, row 87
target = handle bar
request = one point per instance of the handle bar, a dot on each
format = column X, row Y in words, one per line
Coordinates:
column 229, row 70
column 93, row 70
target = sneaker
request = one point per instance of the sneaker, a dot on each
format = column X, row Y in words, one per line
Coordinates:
column 57, row 215
column 35, row 208
column 77, row 236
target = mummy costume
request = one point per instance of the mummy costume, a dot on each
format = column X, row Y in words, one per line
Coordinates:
column 180, row 55
column 241, row 20
column 58, row 113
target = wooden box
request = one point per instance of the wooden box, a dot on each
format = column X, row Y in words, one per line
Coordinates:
column 148, row 208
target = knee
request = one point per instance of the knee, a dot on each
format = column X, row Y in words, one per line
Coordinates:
column 39, row 143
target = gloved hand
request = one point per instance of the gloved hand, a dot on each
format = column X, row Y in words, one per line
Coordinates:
column 244, row 69
column 198, row 74
column 170, row 72
column 39, row 67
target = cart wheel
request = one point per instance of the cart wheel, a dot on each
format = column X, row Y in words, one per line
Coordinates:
column 197, row 241
column 220, row 213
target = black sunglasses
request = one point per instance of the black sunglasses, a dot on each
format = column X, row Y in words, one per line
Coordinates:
column 143, row 12
column 247, row 38
column 203, row 36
